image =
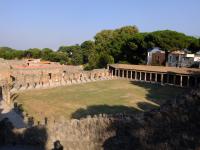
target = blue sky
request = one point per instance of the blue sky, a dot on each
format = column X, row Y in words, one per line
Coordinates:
column 51, row 23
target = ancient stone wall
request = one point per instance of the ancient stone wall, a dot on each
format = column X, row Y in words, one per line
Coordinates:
column 5, row 82
column 88, row 133
column 85, row 134
column 38, row 79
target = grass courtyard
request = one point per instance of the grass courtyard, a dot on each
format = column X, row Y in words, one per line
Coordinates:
column 110, row 97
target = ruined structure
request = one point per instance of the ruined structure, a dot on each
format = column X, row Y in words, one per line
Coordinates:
column 5, row 82
column 52, row 76
column 17, row 76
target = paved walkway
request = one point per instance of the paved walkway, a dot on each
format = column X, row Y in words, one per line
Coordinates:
column 8, row 112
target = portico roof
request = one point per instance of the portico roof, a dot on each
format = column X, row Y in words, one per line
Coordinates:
column 161, row 69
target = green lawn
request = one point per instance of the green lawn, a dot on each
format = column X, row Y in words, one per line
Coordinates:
column 113, row 96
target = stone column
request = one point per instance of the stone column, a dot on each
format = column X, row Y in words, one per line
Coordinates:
column 108, row 67
column 188, row 81
column 161, row 78
column 181, row 80
column 131, row 75
column 127, row 74
column 122, row 73
column 111, row 73
column 150, row 78
column 156, row 80
column 135, row 75
column 140, row 76
column 116, row 72
column 145, row 76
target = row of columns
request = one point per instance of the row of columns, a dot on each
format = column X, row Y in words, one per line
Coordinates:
column 158, row 77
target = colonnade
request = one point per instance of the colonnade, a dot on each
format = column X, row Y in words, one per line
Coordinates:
column 170, row 78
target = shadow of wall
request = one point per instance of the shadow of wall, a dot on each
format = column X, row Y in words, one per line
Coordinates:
column 31, row 138
column 175, row 125
column 160, row 94
column 95, row 110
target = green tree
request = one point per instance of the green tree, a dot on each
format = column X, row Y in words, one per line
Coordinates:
column 104, row 59
column 33, row 53
column 88, row 47
column 93, row 61
column 46, row 53
column 74, row 53
column 194, row 46
column 169, row 40
column 112, row 41
column 76, row 57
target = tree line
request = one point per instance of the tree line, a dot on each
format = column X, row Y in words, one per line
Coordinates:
column 123, row 45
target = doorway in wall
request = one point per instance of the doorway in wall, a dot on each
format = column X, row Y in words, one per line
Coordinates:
column 50, row 76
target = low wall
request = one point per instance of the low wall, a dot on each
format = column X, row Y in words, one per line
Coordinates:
column 85, row 134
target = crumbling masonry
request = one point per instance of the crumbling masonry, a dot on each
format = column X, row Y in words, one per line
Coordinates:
column 15, row 79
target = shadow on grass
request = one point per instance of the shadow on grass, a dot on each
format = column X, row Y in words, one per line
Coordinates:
column 111, row 110
column 160, row 94
column 103, row 109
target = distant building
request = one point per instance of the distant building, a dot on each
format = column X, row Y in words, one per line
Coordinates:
column 182, row 58
column 175, row 58
column 155, row 56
